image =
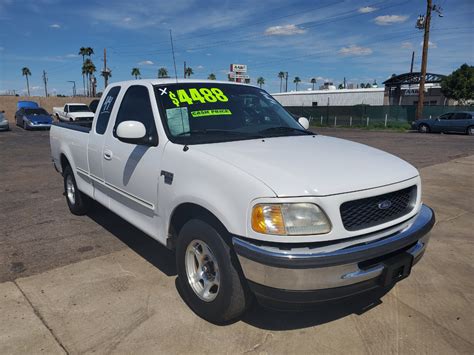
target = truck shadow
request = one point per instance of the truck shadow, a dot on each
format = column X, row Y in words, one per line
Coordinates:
column 145, row 246
column 304, row 316
column 261, row 316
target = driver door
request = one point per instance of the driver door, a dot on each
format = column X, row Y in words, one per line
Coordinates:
column 132, row 171
column 442, row 123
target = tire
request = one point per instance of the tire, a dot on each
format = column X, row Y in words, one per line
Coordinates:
column 25, row 126
column 77, row 202
column 470, row 131
column 228, row 296
column 423, row 128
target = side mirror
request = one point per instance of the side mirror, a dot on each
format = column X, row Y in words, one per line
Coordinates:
column 304, row 122
column 132, row 132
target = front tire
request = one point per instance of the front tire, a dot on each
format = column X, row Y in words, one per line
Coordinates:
column 77, row 202
column 470, row 131
column 423, row 128
column 209, row 275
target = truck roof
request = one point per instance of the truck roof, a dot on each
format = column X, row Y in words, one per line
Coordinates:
column 173, row 81
column 75, row 103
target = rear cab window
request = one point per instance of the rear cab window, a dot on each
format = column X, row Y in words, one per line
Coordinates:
column 106, row 109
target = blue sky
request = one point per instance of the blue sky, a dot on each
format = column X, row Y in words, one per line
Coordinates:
column 325, row 39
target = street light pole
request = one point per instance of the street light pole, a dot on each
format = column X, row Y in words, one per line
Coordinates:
column 73, row 87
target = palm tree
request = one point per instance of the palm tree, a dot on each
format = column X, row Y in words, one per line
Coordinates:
column 212, row 76
column 362, row 85
column 313, row 81
column 260, row 81
column 296, row 81
column 26, row 72
column 188, row 72
column 162, row 73
column 82, row 51
column 281, row 76
column 88, row 68
column 136, row 73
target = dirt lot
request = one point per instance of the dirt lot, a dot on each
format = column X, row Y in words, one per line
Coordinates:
column 97, row 284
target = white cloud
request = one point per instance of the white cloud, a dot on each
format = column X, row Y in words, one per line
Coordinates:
column 366, row 9
column 200, row 67
column 430, row 44
column 390, row 19
column 55, row 26
column 71, row 55
column 407, row 45
column 355, row 50
column 285, row 30
column 146, row 62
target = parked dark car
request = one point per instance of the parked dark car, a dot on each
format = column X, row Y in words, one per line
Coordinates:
column 33, row 118
column 460, row 122
column 93, row 105
column 4, row 126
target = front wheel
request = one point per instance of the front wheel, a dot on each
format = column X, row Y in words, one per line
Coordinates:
column 423, row 128
column 77, row 202
column 470, row 130
column 209, row 275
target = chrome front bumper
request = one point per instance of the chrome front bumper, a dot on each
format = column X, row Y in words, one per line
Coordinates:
column 310, row 269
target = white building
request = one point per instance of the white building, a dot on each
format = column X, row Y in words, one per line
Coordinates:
column 343, row 97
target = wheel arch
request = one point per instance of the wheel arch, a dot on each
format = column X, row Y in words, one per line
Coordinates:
column 185, row 212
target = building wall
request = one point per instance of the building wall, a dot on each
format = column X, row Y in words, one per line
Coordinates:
column 8, row 103
column 344, row 97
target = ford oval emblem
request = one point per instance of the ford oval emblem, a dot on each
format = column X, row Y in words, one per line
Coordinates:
column 384, row 204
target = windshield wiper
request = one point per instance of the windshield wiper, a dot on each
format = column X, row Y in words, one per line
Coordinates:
column 284, row 129
column 219, row 131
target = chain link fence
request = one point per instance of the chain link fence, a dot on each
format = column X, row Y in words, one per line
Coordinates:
column 369, row 116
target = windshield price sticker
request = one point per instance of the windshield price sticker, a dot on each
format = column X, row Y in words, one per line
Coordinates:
column 194, row 95
column 205, row 113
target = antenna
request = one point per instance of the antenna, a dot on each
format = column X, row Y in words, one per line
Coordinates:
column 174, row 59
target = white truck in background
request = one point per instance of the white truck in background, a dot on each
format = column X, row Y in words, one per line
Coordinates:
column 251, row 201
column 73, row 112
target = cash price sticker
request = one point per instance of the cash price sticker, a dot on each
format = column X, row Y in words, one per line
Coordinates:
column 216, row 112
column 194, row 95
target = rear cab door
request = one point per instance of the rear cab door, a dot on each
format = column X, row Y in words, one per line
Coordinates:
column 132, row 172
column 460, row 121
column 95, row 148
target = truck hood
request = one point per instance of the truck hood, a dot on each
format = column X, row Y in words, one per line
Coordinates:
column 44, row 119
column 312, row 165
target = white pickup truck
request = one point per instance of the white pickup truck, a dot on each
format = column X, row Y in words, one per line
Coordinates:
column 251, row 201
column 73, row 112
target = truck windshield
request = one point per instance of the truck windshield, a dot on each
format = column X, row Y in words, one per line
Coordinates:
column 196, row 113
column 79, row 108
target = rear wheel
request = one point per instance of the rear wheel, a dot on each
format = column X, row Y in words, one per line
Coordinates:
column 470, row 130
column 209, row 275
column 77, row 202
column 423, row 128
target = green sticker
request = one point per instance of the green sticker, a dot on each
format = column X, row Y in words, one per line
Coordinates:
column 204, row 113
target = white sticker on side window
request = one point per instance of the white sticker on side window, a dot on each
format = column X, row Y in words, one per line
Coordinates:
column 178, row 120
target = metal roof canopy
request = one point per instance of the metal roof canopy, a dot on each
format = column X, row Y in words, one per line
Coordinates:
column 413, row 78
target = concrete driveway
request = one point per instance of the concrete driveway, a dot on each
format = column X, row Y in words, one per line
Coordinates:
column 124, row 300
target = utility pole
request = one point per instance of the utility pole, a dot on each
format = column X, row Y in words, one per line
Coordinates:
column 412, row 61
column 106, row 74
column 424, row 59
column 286, row 81
column 45, row 81
column 185, row 69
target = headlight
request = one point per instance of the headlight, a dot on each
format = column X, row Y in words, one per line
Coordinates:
column 290, row 219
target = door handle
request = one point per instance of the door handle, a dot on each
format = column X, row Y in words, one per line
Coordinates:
column 107, row 154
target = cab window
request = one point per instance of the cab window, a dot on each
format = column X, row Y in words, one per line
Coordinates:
column 106, row 109
column 136, row 106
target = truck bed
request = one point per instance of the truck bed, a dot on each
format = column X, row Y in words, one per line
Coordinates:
column 80, row 126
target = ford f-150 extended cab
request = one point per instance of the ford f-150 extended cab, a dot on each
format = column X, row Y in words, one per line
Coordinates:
column 73, row 112
column 250, row 200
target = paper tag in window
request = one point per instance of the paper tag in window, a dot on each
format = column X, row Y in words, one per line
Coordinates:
column 178, row 120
